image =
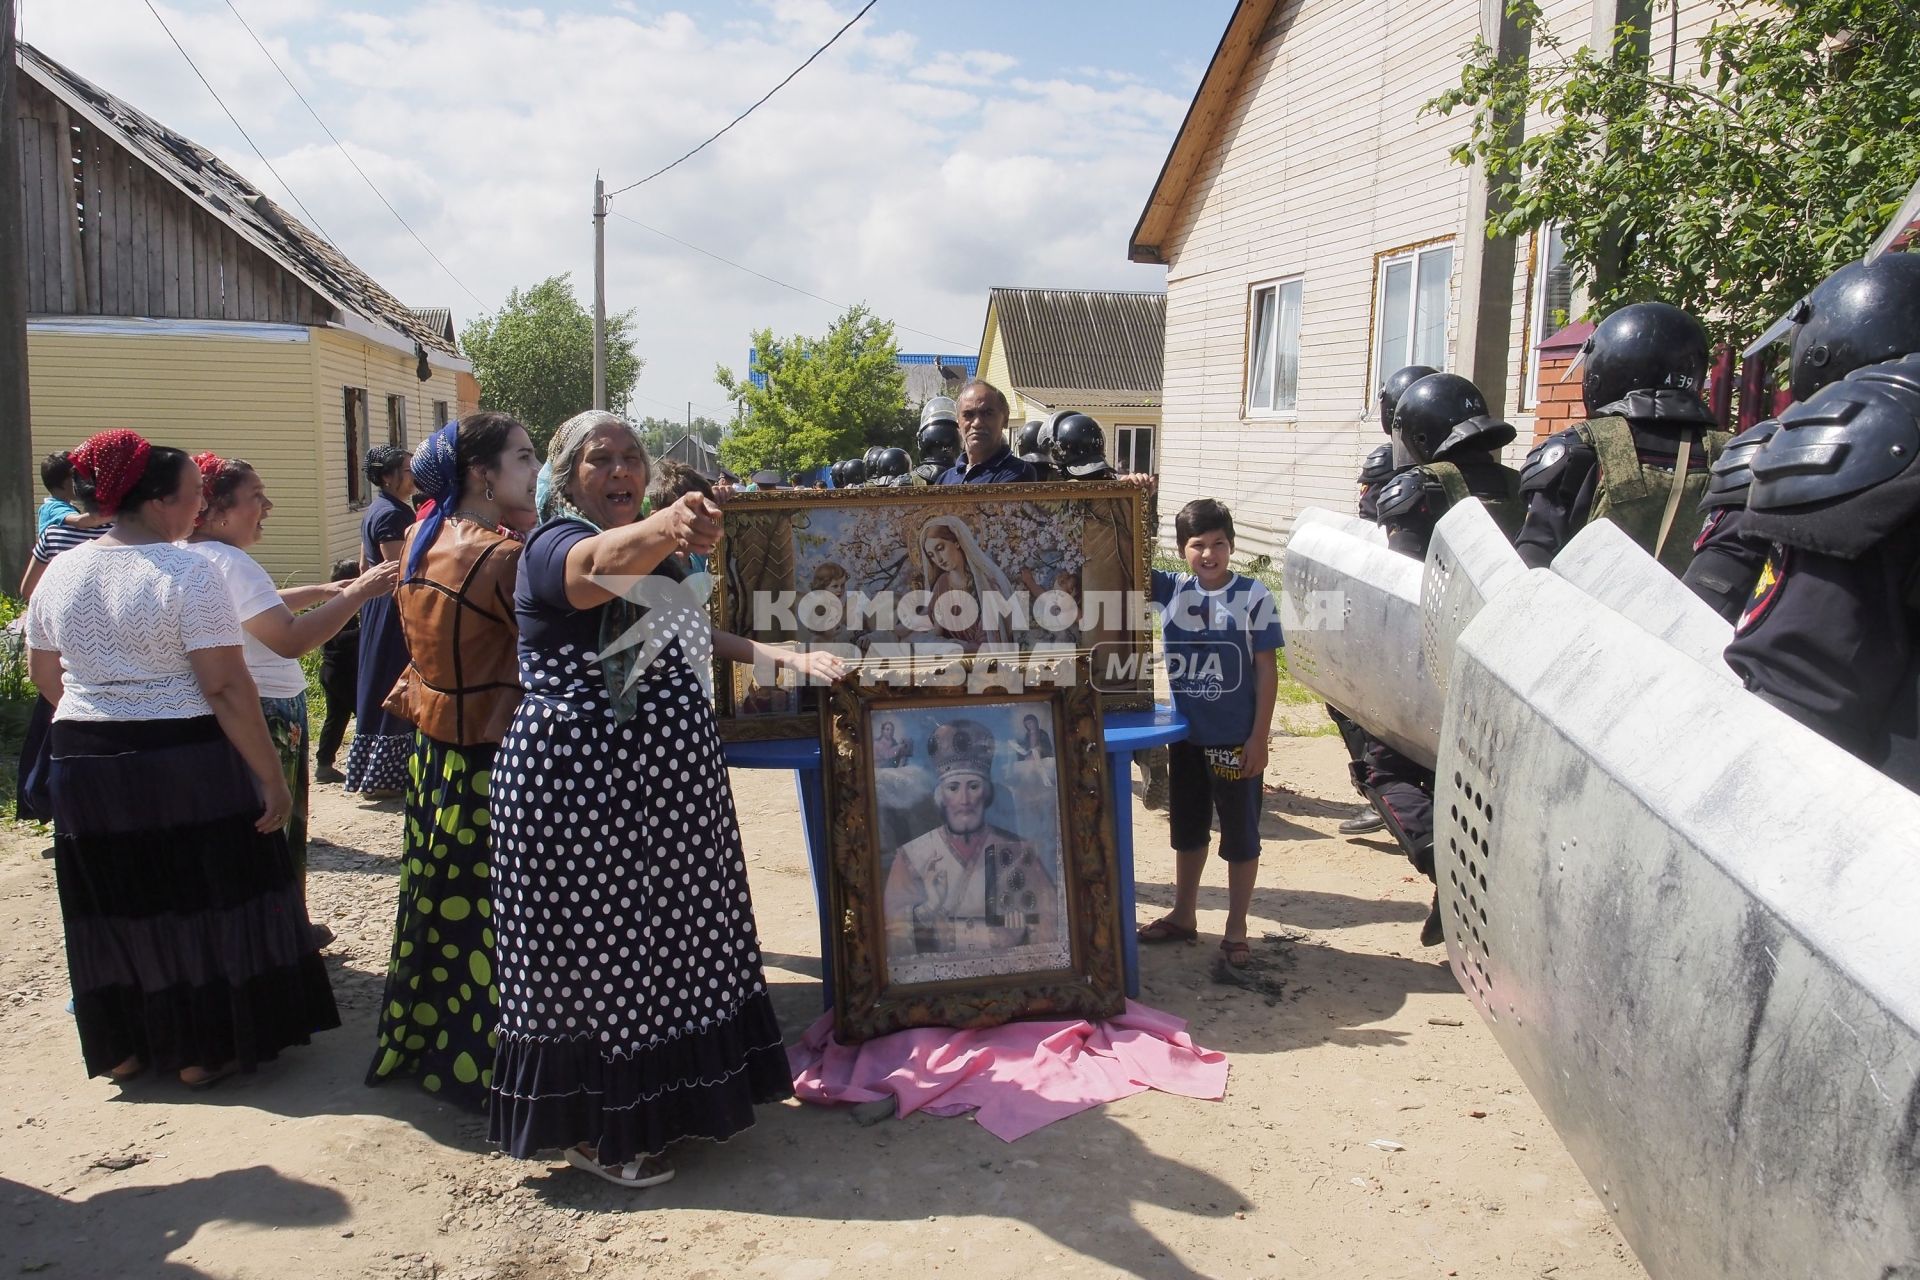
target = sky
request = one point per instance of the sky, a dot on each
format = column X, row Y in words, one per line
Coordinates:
column 937, row 150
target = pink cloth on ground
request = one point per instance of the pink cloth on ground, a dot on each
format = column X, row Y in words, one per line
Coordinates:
column 1021, row 1076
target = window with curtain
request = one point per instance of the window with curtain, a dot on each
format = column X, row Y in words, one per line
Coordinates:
column 1411, row 311
column 1273, row 347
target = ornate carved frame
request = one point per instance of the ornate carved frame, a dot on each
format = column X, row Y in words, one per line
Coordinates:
column 867, row 1003
column 735, row 728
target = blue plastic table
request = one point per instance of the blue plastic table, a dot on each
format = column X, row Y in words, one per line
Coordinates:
column 1126, row 732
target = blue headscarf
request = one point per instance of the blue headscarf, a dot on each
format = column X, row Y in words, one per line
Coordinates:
column 438, row 476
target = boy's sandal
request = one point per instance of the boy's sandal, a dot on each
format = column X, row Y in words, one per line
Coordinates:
column 1239, row 955
column 1165, row 930
column 647, row 1171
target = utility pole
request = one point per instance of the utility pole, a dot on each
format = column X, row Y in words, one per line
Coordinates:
column 599, row 293
column 16, row 436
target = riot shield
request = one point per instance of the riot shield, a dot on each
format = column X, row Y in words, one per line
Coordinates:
column 1354, row 634
column 1468, row 560
column 1365, row 530
column 1605, row 563
column 1689, row 921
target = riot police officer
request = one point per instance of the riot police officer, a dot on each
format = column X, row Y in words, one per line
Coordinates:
column 938, row 441
column 891, row 467
column 1375, row 470
column 853, row 474
column 1831, row 631
column 1078, row 449
column 1392, row 388
column 1031, row 449
column 1645, row 450
column 1727, row 554
column 1449, row 448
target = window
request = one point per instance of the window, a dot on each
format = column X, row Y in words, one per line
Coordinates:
column 397, row 420
column 1273, row 347
column 1133, row 449
column 356, row 423
column 1551, row 304
column 1411, row 308
column 439, row 414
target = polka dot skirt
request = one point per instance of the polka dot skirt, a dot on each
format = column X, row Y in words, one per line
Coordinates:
column 633, row 1009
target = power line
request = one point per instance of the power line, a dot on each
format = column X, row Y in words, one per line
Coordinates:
column 350, row 160
column 956, row 345
column 236, row 123
column 763, row 97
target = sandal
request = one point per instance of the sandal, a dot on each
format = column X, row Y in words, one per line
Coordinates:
column 647, row 1171
column 123, row 1073
column 1238, row 954
column 212, row 1078
column 1165, row 930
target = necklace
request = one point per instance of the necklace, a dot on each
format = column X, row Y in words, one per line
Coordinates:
column 468, row 515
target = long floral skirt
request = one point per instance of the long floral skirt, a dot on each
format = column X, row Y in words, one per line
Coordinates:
column 187, row 942
column 287, row 726
column 437, row 1020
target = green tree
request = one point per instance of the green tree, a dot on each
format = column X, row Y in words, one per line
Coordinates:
column 1729, row 193
column 825, row 398
column 534, row 357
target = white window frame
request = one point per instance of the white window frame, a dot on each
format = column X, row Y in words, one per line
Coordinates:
column 1272, row 409
column 1418, row 257
column 1126, row 438
column 1537, row 314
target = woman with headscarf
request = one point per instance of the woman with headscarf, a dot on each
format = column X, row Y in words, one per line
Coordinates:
column 382, row 741
column 460, row 689
column 633, row 1010
column 187, row 942
column 233, row 520
column 960, row 576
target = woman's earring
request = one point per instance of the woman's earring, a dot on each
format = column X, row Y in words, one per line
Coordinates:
column 489, row 493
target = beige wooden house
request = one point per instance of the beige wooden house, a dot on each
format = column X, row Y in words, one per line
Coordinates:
column 1089, row 351
column 166, row 294
column 1317, row 235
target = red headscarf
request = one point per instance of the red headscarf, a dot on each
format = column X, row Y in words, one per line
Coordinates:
column 114, row 461
column 210, row 464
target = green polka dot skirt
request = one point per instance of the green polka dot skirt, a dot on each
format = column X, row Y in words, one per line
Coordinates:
column 437, row 1020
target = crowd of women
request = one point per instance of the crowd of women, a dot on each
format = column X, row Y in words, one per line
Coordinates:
column 574, row 950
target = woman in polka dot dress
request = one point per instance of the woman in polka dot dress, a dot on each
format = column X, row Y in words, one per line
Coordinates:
column 459, row 690
column 633, row 1011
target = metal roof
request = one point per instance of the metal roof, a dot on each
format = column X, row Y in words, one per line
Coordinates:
column 439, row 319
column 1079, row 340
column 222, row 192
column 1088, row 398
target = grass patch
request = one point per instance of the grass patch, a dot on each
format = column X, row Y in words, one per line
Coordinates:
column 17, row 696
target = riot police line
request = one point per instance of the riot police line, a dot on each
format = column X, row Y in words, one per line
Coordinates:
column 1665, row 782
column 1063, row 446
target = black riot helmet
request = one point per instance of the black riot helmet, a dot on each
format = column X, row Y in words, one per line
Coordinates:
column 1028, row 448
column 1441, row 414
column 1395, row 385
column 853, row 472
column 871, row 458
column 1862, row 314
column 1079, row 446
column 836, row 475
column 1648, row 347
column 939, row 442
column 891, row 464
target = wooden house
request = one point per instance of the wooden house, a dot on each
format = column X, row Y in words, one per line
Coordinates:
column 1096, row 352
column 166, row 293
column 1318, row 235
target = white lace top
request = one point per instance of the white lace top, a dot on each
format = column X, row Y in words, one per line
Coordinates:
column 123, row 620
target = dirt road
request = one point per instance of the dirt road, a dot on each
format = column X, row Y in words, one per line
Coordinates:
column 301, row 1171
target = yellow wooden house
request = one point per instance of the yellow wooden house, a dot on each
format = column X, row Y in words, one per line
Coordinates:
column 166, row 294
column 1096, row 352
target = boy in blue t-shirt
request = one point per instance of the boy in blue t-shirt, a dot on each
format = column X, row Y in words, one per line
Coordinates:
column 1220, row 630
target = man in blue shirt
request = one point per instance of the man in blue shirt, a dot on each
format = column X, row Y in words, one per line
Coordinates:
column 1221, row 631
column 986, row 457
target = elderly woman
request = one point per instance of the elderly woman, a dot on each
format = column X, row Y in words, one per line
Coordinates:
column 187, row 942
column 460, row 690
column 234, row 519
column 633, row 1011
column 382, row 741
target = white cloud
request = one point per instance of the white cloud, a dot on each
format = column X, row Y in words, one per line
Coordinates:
column 890, row 172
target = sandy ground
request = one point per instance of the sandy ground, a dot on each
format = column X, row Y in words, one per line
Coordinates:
column 1346, row 1037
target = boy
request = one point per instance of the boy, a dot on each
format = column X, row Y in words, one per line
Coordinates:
column 340, row 677
column 1221, row 632
column 59, row 507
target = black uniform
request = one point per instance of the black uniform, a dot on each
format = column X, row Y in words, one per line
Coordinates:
column 1831, row 632
column 1727, row 554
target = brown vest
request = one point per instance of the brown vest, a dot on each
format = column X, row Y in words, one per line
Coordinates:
column 463, row 682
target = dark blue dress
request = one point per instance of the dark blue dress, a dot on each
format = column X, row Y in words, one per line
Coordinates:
column 382, row 742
